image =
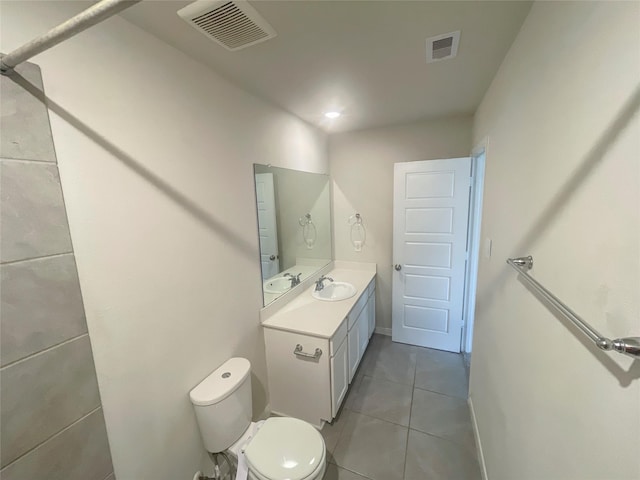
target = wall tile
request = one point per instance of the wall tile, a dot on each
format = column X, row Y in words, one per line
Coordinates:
column 43, row 394
column 24, row 120
column 79, row 453
column 41, row 306
column 32, row 214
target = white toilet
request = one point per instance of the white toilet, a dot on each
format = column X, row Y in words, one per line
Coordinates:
column 279, row 448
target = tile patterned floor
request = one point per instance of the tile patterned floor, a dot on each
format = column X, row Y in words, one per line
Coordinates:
column 405, row 418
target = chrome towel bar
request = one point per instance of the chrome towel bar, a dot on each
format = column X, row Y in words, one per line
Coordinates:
column 629, row 346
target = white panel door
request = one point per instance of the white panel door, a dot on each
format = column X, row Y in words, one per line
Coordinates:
column 430, row 218
column 266, row 201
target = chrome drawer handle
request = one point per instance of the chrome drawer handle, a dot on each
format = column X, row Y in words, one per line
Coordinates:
column 299, row 353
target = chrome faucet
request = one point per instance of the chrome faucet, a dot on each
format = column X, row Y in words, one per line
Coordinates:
column 320, row 284
column 295, row 279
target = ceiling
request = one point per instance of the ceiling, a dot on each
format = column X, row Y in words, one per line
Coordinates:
column 364, row 58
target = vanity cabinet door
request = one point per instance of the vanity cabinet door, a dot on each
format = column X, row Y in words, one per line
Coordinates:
column 363, row 333
column 354, row 350
column 371, row 312
column 339, row 376
column 299, row 384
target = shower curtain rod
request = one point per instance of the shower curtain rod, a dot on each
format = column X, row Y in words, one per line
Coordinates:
column 85, row 19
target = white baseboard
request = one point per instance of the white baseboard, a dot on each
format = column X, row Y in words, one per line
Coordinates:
column 476, row 433
column 383, row 331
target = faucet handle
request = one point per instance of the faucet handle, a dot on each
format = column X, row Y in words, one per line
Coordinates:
column 320, row 284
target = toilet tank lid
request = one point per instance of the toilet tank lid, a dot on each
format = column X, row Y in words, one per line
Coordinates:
column 221, row 383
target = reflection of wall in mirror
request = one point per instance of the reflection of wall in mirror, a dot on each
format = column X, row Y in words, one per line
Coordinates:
column 298, row 193
column 301, row 194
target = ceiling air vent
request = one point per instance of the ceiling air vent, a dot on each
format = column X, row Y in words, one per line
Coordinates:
column 234, row 25
column 442, row 47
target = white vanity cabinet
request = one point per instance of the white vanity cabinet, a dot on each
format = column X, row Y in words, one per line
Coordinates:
column 309, row 374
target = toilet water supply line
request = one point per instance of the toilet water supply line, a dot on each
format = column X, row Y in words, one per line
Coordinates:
column 217, row 472
column 85, row 19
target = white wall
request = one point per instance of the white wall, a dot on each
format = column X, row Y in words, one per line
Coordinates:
column 362, row 172
column 155, row 154
column 562, row 184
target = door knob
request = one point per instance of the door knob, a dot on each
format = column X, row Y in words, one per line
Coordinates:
column 272, row 257
column 398, row 267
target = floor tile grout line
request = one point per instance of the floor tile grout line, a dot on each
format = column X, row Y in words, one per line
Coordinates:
column 406, row 448
column 459, row 446
column 377, row 379
column 387, row 380
column 438, row 436
column 353, row 471
column 375, row 418
column 378, row 418
column 443, row 394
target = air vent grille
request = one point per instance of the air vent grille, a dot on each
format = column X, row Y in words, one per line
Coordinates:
column 234, row 25
column 442, row 47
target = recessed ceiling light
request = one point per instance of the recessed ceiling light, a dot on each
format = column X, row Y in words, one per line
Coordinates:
column 332, row 114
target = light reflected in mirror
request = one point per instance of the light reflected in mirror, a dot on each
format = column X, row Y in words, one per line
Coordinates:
column 294, row 225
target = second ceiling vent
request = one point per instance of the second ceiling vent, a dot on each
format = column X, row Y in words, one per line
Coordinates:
column 442, row 47
column 232, row 24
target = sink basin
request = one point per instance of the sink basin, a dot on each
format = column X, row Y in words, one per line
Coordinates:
column 335, row 291
column 277, row 285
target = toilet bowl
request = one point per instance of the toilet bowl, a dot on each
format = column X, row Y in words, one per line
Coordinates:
column 279, row 448
column 282, row 448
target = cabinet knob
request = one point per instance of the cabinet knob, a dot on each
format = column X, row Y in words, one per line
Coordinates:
column 398, row 267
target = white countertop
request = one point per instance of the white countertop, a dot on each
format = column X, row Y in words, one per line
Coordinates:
column 318, row 318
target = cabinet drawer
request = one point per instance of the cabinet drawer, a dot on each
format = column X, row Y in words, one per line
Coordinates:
column 338, row 337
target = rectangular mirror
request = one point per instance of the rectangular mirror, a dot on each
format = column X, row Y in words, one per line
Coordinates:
column 294, row 225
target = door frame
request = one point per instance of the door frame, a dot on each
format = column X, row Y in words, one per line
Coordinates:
column 478, row 164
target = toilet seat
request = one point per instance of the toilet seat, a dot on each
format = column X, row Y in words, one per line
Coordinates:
column 286, row 449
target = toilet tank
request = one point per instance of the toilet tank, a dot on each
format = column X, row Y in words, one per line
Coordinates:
column 222, row 402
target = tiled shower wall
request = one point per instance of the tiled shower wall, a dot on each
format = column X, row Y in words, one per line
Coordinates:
column 52, row 425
